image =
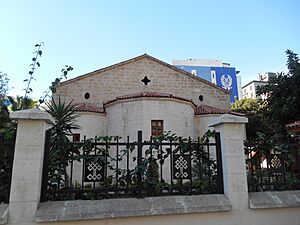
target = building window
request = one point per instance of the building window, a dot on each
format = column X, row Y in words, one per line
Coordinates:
column 194, row 72
column 157, row 127
column 87, row 95
column 76, row 138
column 213, row 77
column 250, row 87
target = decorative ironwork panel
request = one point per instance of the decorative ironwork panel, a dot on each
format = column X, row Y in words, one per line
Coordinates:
column 114, row 167
column 276, row 164
column 94, row 171
column 181, row 167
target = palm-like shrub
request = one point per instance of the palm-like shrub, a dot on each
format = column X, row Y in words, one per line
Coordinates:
column 62, row 151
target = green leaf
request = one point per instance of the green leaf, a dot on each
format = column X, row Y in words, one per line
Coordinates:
column 53, row 89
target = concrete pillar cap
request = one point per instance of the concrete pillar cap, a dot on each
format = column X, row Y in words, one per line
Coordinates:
column 228, row 118
column 32, row 114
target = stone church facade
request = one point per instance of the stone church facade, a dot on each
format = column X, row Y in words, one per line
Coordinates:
column 143, row 93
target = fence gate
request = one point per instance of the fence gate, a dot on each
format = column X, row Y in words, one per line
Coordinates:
column 7, row 149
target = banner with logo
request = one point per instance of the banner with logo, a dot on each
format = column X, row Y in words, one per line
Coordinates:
column 226, row 78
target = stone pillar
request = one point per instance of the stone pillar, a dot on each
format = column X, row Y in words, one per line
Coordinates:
column 233, row 133
column 28, row 164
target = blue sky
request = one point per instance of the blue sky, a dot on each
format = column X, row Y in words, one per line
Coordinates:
column 88, row 35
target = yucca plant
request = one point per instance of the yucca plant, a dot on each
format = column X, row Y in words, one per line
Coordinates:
column 62, row 151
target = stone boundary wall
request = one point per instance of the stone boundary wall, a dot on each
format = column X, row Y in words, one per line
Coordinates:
column 236, row 206
column 130, row 207
column 274, row 199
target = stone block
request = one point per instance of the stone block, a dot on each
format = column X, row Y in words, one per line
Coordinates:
column 22, row 212
column 129, row 207
column 274, row 199
column 3, row 213
column 32, row 114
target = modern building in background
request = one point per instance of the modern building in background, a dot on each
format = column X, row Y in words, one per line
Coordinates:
column 215, row 71
column 250, row 90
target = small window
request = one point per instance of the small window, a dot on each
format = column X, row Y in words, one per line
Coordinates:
column 157, row 127
column 87, row 95
column 194, row 72
column 76, row 138
column 201, row 98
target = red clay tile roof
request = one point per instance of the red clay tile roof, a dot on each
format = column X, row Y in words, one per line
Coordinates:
column 199, row 110
column 88, row 107
column 149, row 95
column 206, row 109
column 295, row 124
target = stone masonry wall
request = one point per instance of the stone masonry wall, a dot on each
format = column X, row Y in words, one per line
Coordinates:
column 126, row 79
column 127, row 117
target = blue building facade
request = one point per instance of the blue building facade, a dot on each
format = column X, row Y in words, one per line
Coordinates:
column 224, row 77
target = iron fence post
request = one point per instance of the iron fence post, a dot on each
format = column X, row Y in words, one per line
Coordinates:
column 139, row 162
column 45, row 168
column 219, row 163
column 11, row 162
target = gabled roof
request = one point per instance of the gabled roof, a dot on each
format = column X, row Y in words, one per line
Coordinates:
column 183, row 72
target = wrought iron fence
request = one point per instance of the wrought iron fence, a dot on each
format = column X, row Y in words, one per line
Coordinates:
column 7, row 148
column 108, row 167
column 274, row 170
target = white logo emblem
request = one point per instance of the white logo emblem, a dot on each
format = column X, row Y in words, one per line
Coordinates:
column 226, row 81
